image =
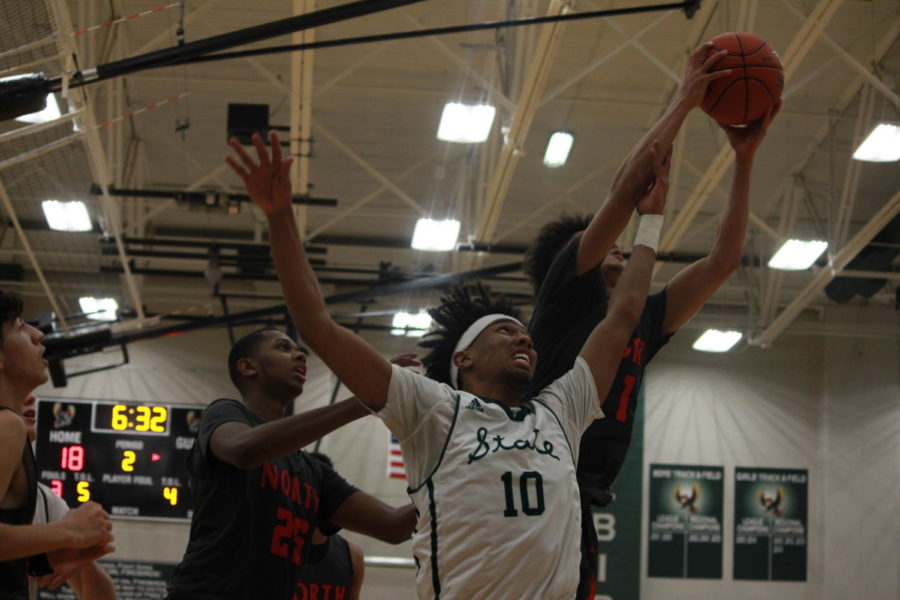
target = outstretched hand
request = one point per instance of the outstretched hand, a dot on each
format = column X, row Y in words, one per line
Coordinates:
column 699, row 73
column 654, row 200
column 268, row 182
column 745, row 140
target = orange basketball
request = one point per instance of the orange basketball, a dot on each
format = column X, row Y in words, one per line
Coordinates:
column 755, row 83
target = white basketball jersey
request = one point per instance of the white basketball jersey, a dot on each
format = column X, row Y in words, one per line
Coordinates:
column 498, row 509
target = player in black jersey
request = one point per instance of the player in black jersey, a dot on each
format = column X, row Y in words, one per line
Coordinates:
column 85, row 533
column 256, row 496
column 574, row 264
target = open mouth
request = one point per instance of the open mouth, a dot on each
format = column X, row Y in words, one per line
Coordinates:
column 522, row 358
column 301, row 374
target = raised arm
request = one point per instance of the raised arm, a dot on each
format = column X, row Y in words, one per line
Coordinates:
column 603, row 348
column 363, row 370
column 689, row 290
column 635, row 174
column 245, row 447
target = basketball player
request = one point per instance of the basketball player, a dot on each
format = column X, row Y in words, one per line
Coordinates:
column 85, row 533
column 492, row 477
column 338, row 575
column 572, row 264
column 87, row 579
column 256, row 496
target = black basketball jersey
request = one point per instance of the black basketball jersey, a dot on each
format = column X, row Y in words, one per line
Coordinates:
column 331, row 577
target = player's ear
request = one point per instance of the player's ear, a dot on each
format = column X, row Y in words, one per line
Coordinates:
column 247, row 367
column 462, row 359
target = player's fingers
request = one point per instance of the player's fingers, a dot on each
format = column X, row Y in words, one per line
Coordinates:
column 242, row 173
column 713, row 58
column 713, row 75
column 699, row 52
column 276, row 147
column 242, row 154
column 261, row 151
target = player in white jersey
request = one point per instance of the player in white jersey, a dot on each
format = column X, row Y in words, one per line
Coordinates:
column 492, row 476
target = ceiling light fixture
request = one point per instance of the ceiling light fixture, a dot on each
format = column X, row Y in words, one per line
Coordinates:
column 435, row 236
column 67, row 216
column 882, row 145
column 99, row 309
column 558, row 149
column 411, row 324
column 466, row 123
column 50, row 113
column 716, row 340
column 797, row 255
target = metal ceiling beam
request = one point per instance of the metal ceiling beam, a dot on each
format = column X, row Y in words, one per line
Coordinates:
column 533, row 86
column 600, row 61
column 349, row 210
column 94, row 149
column 801, row 44
column 300, row 136
column 867, row 74
column 163, row 37
column 824, row 276
column 444, row 49
column 35, row 263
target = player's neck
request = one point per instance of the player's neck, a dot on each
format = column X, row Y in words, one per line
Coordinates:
column 499, row 391
column 11, row 396
column 264, row 405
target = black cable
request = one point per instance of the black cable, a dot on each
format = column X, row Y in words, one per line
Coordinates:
column 177, row 54
column 383, row 37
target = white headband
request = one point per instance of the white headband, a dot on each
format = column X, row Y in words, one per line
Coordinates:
column 469, row 336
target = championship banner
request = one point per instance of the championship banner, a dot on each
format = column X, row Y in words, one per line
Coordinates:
column 685, row 521
column 770, row 524
column 619, row 523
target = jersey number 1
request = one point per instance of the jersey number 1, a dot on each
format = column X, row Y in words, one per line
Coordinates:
column 529, row 508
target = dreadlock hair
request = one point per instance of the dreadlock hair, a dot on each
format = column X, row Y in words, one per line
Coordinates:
column 551, row 238
column 11, row 307
column 246, row 347
column 459, row 308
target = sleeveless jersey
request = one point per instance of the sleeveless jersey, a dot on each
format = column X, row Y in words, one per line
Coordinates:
column 13, row 573
column 494, row 486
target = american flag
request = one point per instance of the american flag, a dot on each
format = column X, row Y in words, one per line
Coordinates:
column 395, row 459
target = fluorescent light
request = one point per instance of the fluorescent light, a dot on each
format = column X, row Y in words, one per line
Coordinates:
column 797, row 255
column 466, row 123
column 42, row 116
column 882, row 145
column 558, row 149
column 99, row 309
column 435, row 236
column 715, row 340
column 411, row 324
column 67, row 216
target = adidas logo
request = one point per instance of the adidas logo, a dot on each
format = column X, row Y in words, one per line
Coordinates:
column 474, row 404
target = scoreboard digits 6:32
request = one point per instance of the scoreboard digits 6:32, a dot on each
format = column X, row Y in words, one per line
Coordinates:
column 129, row 457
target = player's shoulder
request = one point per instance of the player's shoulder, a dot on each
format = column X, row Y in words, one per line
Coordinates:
column 11, row 423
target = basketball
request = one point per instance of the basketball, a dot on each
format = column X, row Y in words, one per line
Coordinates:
column 755, row 83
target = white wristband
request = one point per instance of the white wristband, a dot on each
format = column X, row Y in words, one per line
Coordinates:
column 648, row 231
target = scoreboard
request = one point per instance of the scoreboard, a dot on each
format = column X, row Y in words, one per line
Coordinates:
column 128, row 457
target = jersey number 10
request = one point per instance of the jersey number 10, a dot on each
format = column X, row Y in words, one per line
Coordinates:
column 529, row 507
